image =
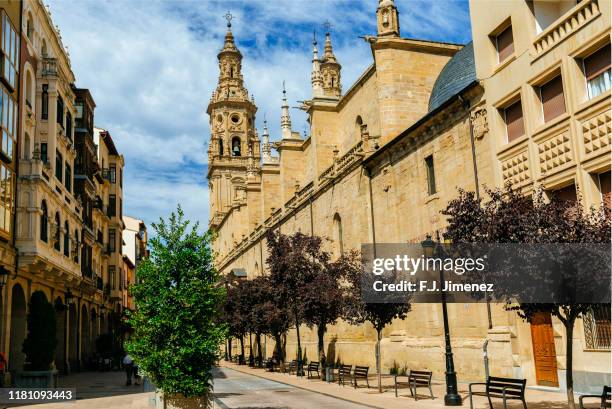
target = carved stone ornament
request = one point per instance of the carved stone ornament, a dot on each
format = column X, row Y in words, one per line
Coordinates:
column 479, row 122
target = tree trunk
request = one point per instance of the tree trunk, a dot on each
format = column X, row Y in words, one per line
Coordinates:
column 278, row 348
column 241, row 361
column 379, row 375
column 259, row 360
column 321, row 329
column 251, row 357
column 300, row 371
column 229, row 348
column 569, row 376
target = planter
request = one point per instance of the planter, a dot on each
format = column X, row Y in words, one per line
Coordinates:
column 178, row 401
column 36, row 379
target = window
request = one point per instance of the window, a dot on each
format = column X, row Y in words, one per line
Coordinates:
column 120, row 208
column 76, row 246
column 68, row 177
column 566, row 194
column 504, row 44
column 553, row 102
column 30, row 27
column 431, row 176
column 9, row 123
column 59, row 162
column 339, row 245
column 67, row 239
column 69, row 126
column 597, row 327
column 597, row 71
column 56, row 236
column 112, row 205
column 43, row 152
column 112, row 240
column 112, row 170
column 6, row 197
column 44, row 222
column 121, row 177
column 235, row 146
column 60, row 110
column 111, row 276
column 44, row 114
column 10, row 51
column 604, row 188
column 220, row 147
column 513, row 117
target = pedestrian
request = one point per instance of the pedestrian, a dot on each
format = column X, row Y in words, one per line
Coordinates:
column 128, row 365
column 136, row 375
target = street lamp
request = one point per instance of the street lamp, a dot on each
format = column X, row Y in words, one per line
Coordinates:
column 452, row 398
column 3, row 276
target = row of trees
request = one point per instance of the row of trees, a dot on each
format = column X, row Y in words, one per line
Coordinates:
column 305, row 287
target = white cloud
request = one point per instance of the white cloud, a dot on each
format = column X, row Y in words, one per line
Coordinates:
column 151, row 67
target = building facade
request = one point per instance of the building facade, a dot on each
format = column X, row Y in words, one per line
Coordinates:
column 134, row 251
column 52, row 173
column 384, row 157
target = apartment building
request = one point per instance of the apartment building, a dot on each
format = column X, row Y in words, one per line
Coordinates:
column 134, row 251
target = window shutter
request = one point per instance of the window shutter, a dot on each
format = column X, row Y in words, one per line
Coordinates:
column 514, row 121
column 553, row 103
column 597, row 63
column 505, row 44
column 604, row 186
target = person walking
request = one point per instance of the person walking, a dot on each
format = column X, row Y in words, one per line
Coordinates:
column 128, row 365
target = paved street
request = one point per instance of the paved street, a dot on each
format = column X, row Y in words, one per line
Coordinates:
column 234, row 389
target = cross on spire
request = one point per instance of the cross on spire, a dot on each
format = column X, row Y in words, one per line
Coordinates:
column 229, row 17
column 327, row 25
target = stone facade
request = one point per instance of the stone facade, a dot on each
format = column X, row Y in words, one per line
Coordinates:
column 361, row 176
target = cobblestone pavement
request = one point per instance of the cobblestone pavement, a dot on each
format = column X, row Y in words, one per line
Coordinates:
column 236, row 390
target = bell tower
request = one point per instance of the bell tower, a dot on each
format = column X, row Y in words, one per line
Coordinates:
column 387, row 19
column 234, row 148
column 330, row 69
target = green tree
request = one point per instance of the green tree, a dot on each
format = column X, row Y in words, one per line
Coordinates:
column 178, row 297
column 509, row 217
column 39, row 346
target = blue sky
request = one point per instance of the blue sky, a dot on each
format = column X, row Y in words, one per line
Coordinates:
column 151, row 67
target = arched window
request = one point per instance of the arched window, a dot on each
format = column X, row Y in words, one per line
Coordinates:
column 67, row 239
column 30, row 27
column 43, row 48
column 338, row 245
column 29, row 93
column 44, row 222
column 26, row 146
column 232, row 72
column 236, row 146
column 56, row 238
column 220, row 147
column 358, row 123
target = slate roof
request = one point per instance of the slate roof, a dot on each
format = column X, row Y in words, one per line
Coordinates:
column 457, row 74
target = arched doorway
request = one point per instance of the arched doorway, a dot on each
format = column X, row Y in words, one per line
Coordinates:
column 18, row 328
column 73, row 339
column 60, row 333
column 85, row 337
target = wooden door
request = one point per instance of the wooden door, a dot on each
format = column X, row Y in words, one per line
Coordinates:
column 544, row 350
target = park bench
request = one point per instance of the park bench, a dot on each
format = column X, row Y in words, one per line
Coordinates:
column 361, row 372
column 292, row 367
column 269, row 364
column 313, row 367
column 414, row 380
column 503, row 388
column 604, row 398
column 343, row 372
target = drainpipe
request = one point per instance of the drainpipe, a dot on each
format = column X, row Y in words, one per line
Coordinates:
column 369, row 174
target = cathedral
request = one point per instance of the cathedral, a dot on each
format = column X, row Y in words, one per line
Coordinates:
column 385, row 155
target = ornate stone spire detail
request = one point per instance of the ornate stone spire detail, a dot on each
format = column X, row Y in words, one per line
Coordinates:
column 330, row 69
column 266, row 148
column 315, row 77
column 387, row 19
column 285, row 118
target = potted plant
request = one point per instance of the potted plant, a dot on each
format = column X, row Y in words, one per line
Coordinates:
column 39, row 345
column 177, row 331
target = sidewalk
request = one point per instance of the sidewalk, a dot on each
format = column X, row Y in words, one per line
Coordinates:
column 536, row 399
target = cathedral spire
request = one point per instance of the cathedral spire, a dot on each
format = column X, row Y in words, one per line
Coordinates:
column 266, row 149
column 285, row 118
column 387, row 19
column 315, row 77
column 330, row 69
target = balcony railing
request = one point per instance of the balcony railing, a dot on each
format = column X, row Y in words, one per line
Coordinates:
column 566, row 25
column 49, row 67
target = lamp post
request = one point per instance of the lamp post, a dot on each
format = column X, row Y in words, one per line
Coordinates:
column 452, row 398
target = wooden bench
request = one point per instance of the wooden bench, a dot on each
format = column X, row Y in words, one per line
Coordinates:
column 313, row 367
column 344, row 372
column 503, row 388
column 604, row 398
column 269, row 364
column 361, row 372
column 414, row 380
column 292, row 367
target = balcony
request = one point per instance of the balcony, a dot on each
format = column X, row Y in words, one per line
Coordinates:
column 116, row 295
column 49, row 67
column 566, row 25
